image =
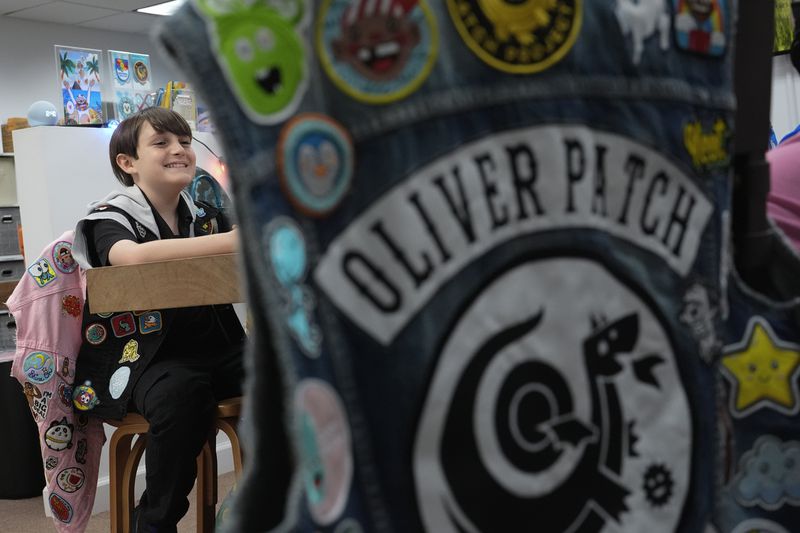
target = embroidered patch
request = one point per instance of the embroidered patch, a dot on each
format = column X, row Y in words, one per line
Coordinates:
column 62, row 257
column 377, row 52
column 262, row 57
column 66, row 373
column 71, row 305
column 61, row 509
column 698, row 316
column 95, row 334
column 286, row 249
column 315, row 163
column 759, row 525
column 326, row 459
column 123, row 325
column 104, row 315
column 84, row 397
column 769, row 474
column 138, row 313
column 575, row 374
column 640, row 20
column 150, row 322
column 762, row 370
column 125, row 105
column 51, row 462
column 80, row 451
column 130, row 352
column 65, row 394
column 39, row 367
column 71, row 479
column 708, row 147
column 699, row 26
column 201, row 212
column 118, row 382
column 520, row 37
column 42, row 272
column 31, row 392
column 58, row 436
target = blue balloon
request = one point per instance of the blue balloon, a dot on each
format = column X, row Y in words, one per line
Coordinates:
column 42, row 113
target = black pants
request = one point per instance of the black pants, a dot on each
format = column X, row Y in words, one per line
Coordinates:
column 178, row 397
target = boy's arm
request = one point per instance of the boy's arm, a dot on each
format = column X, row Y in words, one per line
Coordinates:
column 131, row 253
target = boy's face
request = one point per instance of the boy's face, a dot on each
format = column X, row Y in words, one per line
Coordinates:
column 166, row 161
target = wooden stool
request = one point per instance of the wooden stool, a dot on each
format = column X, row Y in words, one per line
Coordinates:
column 124, row 456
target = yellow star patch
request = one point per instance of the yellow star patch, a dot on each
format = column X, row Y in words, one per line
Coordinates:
column 762, row 370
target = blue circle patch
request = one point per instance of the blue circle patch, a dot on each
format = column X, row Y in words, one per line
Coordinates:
column 315, row 163
column 39, row 367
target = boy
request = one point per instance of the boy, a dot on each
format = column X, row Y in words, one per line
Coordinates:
column 170, row 365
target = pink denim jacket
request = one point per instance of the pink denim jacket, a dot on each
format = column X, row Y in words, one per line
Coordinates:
column 47, row 305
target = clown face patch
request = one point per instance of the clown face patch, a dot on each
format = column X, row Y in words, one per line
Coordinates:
column 326, row 459
column 58, row 436
column 42, row 272
column 700, row 26
column 377, row 52
column 568, row 398
column 523, row 36
column 84, row 397
column 315, row 163
column 62, row 257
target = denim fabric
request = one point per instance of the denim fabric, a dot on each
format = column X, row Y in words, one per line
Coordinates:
column 507, row 318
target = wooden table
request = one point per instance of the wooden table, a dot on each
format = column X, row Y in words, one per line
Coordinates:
column 165, row 284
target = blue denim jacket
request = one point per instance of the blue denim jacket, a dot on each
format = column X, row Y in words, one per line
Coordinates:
column 483, row 240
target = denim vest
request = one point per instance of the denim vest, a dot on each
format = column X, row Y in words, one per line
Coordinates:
column 483, row 240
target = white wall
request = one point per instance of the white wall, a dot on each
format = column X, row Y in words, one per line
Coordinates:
column 785, row 112
column 28, row 68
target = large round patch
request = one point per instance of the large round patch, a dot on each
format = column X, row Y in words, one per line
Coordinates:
column 39, row 367
column 70, row 479
column 521, row 36
column 377, row 52
column 62, row 257
column 60, row 508
column 118, row 382
column 315, row 162
column 95, row 333
column 324, row 438
column 555, row 391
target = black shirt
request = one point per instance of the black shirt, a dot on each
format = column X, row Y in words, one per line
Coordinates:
column 194, row 330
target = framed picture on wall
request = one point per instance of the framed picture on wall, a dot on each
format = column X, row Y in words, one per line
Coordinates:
column 784, row 26
column 120, row 66
column 80, row 82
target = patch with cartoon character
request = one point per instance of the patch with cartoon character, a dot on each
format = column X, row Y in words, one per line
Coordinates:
column 769, row 474
column 568, row 398
column 42, row 272
column 58, row 436
column 325, row 454
column 699, row 26
column 62, row 257
column 71, row 479
column 708, row 145
column 150, row 322
column 123, row 325
column 286, row 252
column 39, row 367
column 130, row 352
column 260, row 53
column 61, row 509
column 641, row 20
column 520, row 36
column 377, row 52
column 84, row 397
column 762, row 370
column 315, row 163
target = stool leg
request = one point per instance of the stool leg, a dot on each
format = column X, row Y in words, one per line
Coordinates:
column 119, row 449
column 128, row 484
column 207, row 487
column 228, row 426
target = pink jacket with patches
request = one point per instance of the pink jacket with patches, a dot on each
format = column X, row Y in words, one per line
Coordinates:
column 47, row 305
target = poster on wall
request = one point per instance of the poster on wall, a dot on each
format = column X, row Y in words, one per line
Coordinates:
column 142, row 76
column 122, row 81
column 80, row 83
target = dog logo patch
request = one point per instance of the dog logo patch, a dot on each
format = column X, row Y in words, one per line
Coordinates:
column 762, row 370
column 84, row 397
column 123, row 325
column 521, row 36
column 58, row 436
column 150, row 322
column 326, row 458
column 60, row 508
column 700, row 26
column 42, row 272
column 70, row 479
column 569, row 398
column 315, row 163
column 62, row 257
column 39, row 367
column 95, row 334
column 377, row 52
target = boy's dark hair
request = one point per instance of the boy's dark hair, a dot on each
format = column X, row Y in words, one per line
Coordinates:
column 126, row 137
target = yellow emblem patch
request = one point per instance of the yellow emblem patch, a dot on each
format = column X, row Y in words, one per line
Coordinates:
column 707, row 148
column 520, row 37
column 130, row 352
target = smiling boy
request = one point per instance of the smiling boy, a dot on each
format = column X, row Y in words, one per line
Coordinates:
column 170, row 365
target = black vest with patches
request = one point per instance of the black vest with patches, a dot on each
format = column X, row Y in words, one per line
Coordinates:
column 127, row 345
